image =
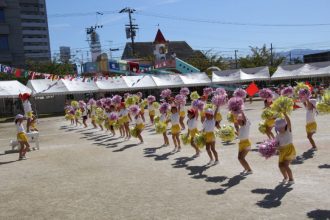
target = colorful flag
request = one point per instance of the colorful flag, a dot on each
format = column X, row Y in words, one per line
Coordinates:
column 252, row 89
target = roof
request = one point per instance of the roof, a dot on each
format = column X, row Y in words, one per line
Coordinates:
column 159, row 39
column 146, row 49
column 11, row 89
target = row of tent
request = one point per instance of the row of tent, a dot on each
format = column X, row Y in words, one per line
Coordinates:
column 42, row 87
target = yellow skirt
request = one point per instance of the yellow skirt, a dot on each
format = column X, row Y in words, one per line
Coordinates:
column 287, row 153
column 152, row 113
column 218, row 117
column 270, row 123
column 311, row 127
column 111, row 122
column 71, row 117
column 209, row 137
column 121, row 121
column 202, row 114
column 142, row 110
column 175, row 129
column 93, row 118
column 29, row 115
column 140, row 127
column 125, row 119
column 182, row 114
column 193, row 132
column 21, row 137
column 244, row 145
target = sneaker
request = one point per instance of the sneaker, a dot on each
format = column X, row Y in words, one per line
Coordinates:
column 249, row 172
column 179, row 149
column 210, row 163
column 243, row 172
column 216, row 163
column 291, row 182
column 284, row 181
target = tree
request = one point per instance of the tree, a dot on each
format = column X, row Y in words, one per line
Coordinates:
column 261, row 57
column 51, row 67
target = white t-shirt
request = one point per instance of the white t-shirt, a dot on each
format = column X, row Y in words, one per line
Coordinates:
column 163, row 118
column 244, row 131
column 192, row 123
column 284, row 138
column 175, row 118
column 310, row 115
column 27, row 106
column 138, row 120
column 19, row 128
column 123, row 112
column 209, row 125
column 84, row 113
column 151, row 107
column 182, row 108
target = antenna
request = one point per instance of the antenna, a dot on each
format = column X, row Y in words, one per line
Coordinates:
column 130, row 28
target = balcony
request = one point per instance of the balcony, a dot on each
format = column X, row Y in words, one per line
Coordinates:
column 34, row 32
column 33, row 24
column 36, row 47
column 35, row 40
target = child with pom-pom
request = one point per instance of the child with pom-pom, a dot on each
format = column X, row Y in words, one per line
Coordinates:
column 311, row 126
column 287, row 151
column 244, row 142
column 91, row 106
column 124, row 121
column 84, row 111
column 180, row 101
column 192, row 129
column 151, row 108
column 21, row 136
column 208, row 129
column 175, row 129
column 163, row 119
column 139, row 125
column 269, row 122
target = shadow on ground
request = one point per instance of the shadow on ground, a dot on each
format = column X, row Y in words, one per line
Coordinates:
column 309, row 154
column 319, row 214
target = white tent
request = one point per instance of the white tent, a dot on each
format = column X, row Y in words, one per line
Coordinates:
column 288, row 71
column 226, row 76
column 78, row 86
column 11, row 89
column 140, row 82
column 47, row 87
column 112, row 84
column 195, row 79
column 168, row 81
column 255, row 74
column 319, row 69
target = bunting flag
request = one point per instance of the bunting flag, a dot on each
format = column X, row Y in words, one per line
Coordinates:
column 309, row 85
column 18, row 73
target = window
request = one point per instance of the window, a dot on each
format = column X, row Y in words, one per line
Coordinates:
column 2, row 15
column 4, row 45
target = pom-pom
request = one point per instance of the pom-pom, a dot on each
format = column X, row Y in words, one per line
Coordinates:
column 82, row 104
column 133, row 132
column 126, row 95
column 323, row 108
column 207, row 91
column 156, row 119
column 267, row 114
column 160, row 127
column 219, row 100
column 180, row 99
column 113, row 116
column 74, row 104
column 155, row 105
column 99, row 103
column 208, row 106
column 194, row 95
column 235, row 105
column 151, row 98
column 226, row 133
column 116, row 99
column 139, row 94
column 99, row 111
column 164, row 107
column 91, row 102
column 185, row 139
column 230, row 117
column 241, row 93
column 116, row 125
column 108, row 101
column 266, row 93
column 78, row 113
column 282, row 104
column 131, row 100
column 220, row 91
column 198, row 104
column 262, row 127
column 287, row 91
column 199, row 140
column 300, row 86
column 134, row 109
column 184, row 91
column 166, row 93
column 304, row 94
column 268, row 148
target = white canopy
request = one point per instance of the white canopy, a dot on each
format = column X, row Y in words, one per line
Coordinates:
column 195, row 79
column 319, row 69
column 78, row 86
column 11, row 89
column 112, row 84
column 170, row 81
column 226, row 76
column 255, row 74
column 47, row 87
column 288, row 71
column 140, row 82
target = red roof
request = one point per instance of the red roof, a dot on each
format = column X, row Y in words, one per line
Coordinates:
column 159, row 39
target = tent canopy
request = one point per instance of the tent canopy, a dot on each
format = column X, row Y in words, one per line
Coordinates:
column 169, row 81
column 11, row 89
column 112, row 84
column 79, row 86
column 195, row 79
column 226, row 76
column 255, row 74
column 47, row 87
column 140, row 82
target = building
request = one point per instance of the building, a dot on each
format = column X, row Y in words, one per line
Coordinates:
column 24, row 32
column 317, row 57
column 65, row 54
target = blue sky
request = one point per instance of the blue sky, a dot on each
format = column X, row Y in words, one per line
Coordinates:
column 220, row 38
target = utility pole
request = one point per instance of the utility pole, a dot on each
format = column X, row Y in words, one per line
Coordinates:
column 271, row 54
column 236, row 64
column 290, row 57
column 130, row 28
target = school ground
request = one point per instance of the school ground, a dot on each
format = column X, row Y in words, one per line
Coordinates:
column 86, row 174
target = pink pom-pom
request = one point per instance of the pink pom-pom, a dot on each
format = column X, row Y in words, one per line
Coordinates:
column 235, row 105
column 134, row 109
column 198, row 104
column 241, row 93
column 220, row 91
column 68, row 108
column 82, row 104
column 268, row 148
column 180, row 99
column 207, row 91
column 304, row 94
column 219, row 100
column 184, row 91
column 92, row 102
column 287, row 91
column 164, row 107
column 266, row 94
column 166, row 93
column 107, row 102
column 151, row 98
column 113, row 116
column 139, row 94
column 99, row 103
column 127, row 95
column 116, row 99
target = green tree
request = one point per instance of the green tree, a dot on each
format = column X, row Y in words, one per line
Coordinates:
column 52, row 67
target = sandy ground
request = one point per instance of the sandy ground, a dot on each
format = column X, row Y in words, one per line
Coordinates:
column 86, row 174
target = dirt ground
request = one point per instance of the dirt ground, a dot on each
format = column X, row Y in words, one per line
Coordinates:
column 86, row 174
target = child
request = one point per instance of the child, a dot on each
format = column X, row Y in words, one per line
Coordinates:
column 244, row 142
column 84, row 110
column 27, row 109
column 139, row 126
column 182, row 116
column 91, row 111
column 192, row 129
column 21, row 137
column 311, row 125
column 218, row 118
column 175, row 130
column 33, row 126
column 287, row 151
column 151, row 112
column 124, row 121
column 142, row 106
column 164, row 119
column 270, row 122
column 208, row 129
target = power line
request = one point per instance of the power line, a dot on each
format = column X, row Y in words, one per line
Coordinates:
column 79, row 14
